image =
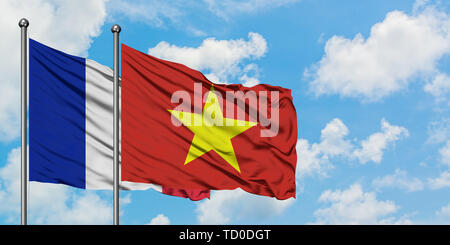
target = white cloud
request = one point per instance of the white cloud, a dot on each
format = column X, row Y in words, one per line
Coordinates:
column 49, row 203
column 402, row 220
column 444, row 211
column 438, row 131
column 230, row 206
column 332, row 138
column 387, row 60
column 315, row 158
column 311, row 160
column 10, row 183
column 249, row 81
column 250, row 74
column 440, row 182
column 151, row 12
column 419, row 5
column 220, row 60
column 228, row 8
column 87, row 208
column 66, row 25
column 439, row 86
column 354, row 206
column 445, row 153
column 372, row 148
column 160, row 219
column 399, row 180
column 443, row 180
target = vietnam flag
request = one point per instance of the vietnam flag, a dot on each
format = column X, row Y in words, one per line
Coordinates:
column 179, row 130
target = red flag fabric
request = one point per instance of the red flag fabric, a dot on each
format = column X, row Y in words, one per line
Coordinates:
column 181, row 131
column 194, row 195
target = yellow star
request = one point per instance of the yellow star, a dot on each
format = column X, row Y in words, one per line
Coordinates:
column 212, row 131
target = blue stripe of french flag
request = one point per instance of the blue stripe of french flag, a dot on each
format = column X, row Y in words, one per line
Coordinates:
column 71, row 121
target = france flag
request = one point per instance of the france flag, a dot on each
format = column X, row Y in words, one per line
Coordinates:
column 71, row 121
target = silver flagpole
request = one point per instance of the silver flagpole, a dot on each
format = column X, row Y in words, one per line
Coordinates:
column 116, row 30
column 23, row 23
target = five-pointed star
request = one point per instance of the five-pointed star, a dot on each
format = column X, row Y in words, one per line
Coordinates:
column 212, row 131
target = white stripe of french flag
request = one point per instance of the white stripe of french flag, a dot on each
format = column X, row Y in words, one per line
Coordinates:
column 99, row 130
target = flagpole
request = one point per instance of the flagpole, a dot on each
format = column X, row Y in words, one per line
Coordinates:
column 116, row 30
column 23, row 24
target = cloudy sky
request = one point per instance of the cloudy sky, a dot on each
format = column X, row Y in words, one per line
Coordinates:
column 370, row 82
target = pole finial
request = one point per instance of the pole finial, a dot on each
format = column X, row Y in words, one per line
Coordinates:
column 115, row 28
column 23, row 23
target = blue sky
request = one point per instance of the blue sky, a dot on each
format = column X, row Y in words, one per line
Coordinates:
column 370, row 82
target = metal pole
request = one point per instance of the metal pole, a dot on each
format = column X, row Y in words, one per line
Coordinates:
column 23, row 24
column 116, row 30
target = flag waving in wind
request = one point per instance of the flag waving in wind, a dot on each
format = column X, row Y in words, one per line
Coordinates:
column 71, row 123
column 179, row 130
